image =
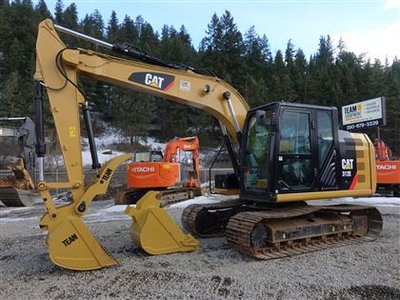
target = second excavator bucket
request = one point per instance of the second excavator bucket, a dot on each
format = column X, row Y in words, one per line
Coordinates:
column 154, row 230
column 13, row 197
column 72, row 245
column 18, row 190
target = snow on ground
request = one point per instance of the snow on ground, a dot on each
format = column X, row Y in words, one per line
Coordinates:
column 102, row 155
column 110, row 139
column 110, row 212
column 374, row 201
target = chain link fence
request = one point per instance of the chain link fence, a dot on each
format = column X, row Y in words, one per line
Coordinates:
column 118, row 180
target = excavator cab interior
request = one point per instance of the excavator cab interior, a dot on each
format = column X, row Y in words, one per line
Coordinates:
column 255, row 166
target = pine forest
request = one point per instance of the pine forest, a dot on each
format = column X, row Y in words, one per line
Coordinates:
column 331, row 76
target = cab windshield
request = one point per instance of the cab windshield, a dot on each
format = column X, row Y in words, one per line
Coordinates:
column 255, row 166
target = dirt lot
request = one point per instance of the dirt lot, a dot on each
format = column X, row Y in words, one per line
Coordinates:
column 365, row 271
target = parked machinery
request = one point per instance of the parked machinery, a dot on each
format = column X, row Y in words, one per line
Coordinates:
column 18, row 189
column 288, row 154
column 154, row 171
column 387, row 169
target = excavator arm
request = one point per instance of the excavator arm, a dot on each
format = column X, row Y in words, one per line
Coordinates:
column 71, row 245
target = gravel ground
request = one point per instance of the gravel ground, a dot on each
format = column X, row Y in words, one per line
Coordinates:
column 364, row 271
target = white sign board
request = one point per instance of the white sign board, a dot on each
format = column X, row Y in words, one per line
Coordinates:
column 364, row 114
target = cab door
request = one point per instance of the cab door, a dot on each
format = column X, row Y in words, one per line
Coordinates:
column 306, row 156
column 296, row 159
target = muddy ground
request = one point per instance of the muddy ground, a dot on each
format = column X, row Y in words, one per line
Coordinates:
column 364, row 271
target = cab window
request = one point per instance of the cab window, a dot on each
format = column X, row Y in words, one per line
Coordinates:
column 294, row 159
column 256, row 168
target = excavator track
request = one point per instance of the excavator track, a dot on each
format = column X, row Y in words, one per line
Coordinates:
column 208, row 220
column 288, row 231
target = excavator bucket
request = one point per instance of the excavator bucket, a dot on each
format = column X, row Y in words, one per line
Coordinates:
column 12, row 197
column 154, row 230
column 18, row 190
column 72, row 246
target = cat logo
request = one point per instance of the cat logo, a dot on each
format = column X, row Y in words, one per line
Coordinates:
column 153, row 80
column 347, row 164
column 158, row 81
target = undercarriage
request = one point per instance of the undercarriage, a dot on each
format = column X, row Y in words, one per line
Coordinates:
column 276, row 231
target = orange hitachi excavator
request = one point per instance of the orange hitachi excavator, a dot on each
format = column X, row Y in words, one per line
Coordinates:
column 152, row 171
column 387, row 169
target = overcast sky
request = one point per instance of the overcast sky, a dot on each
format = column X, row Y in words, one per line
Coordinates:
column 366, row 26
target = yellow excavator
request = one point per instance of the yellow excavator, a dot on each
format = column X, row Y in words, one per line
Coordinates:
column 283, row 154
column 18, row 188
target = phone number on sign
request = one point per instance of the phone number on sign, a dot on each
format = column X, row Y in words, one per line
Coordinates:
column 362, row 125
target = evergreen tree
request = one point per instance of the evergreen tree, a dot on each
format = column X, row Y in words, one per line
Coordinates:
column 70, row 20
column 134, row 113
column 257, row 61
column 277, row 90
column 58, row 12
column 391, row 132
column 290, row 76
column 347, row 67
column 17, row 40
column 321, row 79
column 42, row 11
column 93, row 25
column 175, row 47
column 113, row 28
column 148, row 39
column 223, row 48
column 70, row 17
column 300, row 76
column 129, row 32
column 325, row 78
column 13, row 99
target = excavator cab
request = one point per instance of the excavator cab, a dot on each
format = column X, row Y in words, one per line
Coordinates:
column 148, row 156
column 294, row 153
column 290, row 148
